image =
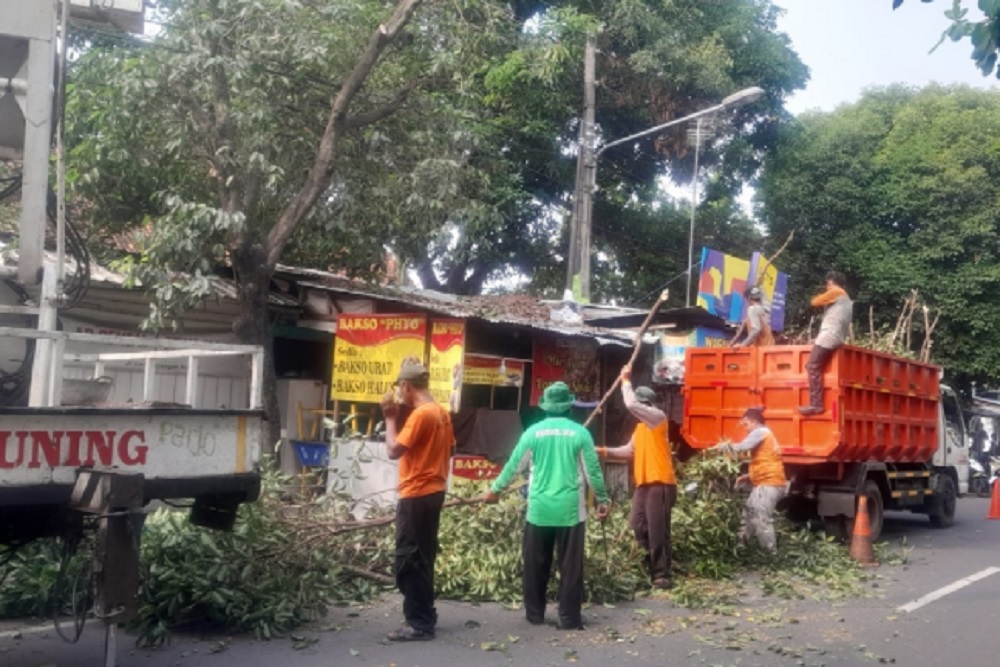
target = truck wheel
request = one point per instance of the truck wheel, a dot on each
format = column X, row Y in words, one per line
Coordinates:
column 941, row 509
column 836, row 527
column 876, row 512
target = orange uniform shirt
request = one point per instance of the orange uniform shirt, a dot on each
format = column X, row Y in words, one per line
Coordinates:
column 653, row 463
column 428, row 438
column 766, row 468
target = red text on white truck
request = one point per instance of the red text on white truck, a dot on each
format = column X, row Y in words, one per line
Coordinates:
column 33, row 449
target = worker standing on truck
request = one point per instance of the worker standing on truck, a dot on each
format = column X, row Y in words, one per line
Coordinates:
column 766, row 475
column 655, row 482
column 833, row 331
column 424, row 449
column 758, row 321
column 562, row 460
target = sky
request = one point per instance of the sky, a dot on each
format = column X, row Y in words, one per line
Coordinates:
column 850, row 45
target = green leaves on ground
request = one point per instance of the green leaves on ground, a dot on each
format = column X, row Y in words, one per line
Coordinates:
column 285, row 563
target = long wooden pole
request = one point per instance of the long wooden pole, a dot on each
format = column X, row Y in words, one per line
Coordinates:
column 635, row 353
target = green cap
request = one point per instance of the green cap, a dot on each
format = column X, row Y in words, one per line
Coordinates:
column 557, row 398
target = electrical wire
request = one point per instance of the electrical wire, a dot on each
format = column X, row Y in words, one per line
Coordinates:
column 78, row 281
column 671, row 281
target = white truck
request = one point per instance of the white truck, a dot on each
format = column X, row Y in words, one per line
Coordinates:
column 63, row 459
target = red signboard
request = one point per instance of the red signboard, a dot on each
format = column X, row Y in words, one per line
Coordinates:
column 474, row 467
column 447, row 351
column 571, row 360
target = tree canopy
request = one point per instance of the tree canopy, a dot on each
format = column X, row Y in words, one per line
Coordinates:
column 467, row 172
column 900, row 191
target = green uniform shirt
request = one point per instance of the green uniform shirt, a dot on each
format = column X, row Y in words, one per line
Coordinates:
column 562, row 458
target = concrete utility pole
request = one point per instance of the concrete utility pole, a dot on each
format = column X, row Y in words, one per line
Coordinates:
column 578, row 262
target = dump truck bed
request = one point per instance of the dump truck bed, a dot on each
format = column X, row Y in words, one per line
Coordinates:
column 878, row 407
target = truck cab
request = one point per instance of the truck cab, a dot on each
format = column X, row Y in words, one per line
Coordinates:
column 953, row 452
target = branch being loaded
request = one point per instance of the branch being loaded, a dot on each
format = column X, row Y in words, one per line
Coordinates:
column 769, row 262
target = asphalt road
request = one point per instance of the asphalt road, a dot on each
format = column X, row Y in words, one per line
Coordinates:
column 944, row 624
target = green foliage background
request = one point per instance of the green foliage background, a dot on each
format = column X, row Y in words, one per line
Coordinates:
column 899, row 191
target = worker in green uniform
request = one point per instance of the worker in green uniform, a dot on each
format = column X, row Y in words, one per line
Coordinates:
column 561, row 457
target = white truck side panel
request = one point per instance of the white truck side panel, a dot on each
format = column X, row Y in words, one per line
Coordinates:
column 50, row 448
column 227, row 390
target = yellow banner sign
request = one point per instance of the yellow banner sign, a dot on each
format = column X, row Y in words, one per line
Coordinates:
column 447, row 351
column 368, row 352
column 493, row 371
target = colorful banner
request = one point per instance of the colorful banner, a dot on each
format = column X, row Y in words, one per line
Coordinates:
column 572, row 360
column 467, row 466
column 724, row 279
column 368, row 351
column 775, row 287
column 668, row 355
column 447, row 351
column 493, row 371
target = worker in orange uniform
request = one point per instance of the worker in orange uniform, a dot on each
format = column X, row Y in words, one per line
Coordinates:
column 833, row 332
column 423, row 449
column 766, row 475
column 655, row 483
column 758, row 321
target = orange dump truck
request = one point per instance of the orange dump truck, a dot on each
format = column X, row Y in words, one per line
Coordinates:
column 889, row 431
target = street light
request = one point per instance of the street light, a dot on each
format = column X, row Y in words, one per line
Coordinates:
column 704, row 129
column 587, row 179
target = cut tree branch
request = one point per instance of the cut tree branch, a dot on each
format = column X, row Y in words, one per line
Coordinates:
column 760, row 280
column 321, row 171
column 769, row 262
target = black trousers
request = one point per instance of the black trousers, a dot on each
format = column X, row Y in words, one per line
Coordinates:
column 818, row 358
column 417, row 522
column 651, row 508
column 539, row 542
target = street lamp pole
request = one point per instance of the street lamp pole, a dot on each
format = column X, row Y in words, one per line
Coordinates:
column 586, row 175
column 694, row 206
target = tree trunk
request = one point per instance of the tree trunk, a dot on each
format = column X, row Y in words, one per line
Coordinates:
column 253, row 327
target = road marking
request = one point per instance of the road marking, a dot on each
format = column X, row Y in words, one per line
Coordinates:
column 947, row 590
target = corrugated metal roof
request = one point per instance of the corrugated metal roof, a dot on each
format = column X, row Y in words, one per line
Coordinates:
column 516, row 310
column 223, row 288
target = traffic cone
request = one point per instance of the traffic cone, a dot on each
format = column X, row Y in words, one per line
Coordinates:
column 861, row 538
column 995, row 501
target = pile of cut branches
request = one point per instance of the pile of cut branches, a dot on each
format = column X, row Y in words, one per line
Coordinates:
column 285, row 563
